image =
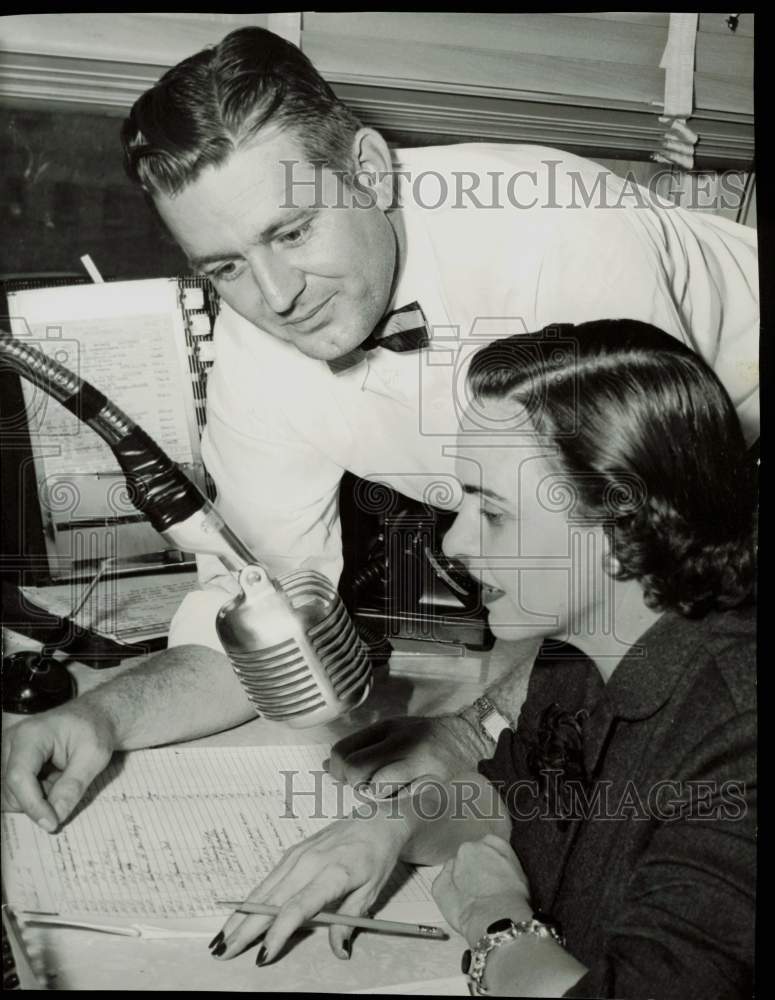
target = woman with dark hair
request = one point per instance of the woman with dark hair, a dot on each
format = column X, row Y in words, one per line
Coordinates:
column 608, row 847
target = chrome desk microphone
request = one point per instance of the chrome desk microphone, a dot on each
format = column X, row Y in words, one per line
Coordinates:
column 290, row 640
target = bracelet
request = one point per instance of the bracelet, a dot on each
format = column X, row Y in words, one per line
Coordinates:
column 500, row 932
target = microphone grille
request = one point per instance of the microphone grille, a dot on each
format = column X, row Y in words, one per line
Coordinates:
column 300, row 658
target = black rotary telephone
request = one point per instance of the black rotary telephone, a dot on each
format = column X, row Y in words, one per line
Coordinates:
column 396, row 582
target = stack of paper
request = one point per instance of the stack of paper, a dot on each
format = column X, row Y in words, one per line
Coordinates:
column 165, row 833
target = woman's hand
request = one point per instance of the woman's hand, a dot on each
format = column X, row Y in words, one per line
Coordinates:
column 344, row 867
column 483, row 882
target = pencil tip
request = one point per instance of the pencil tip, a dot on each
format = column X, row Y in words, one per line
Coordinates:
column 434, row 932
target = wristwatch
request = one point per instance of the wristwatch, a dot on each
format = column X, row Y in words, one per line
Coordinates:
column 491, row 722
column 499, row 932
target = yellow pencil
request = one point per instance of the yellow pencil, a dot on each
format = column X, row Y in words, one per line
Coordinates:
column 343, row 919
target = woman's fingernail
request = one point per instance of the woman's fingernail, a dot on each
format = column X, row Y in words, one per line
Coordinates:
column 219, row 949
column 261, row 956
column 347, row 947
column 216, row 940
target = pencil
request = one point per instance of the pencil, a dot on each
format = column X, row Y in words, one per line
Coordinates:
column 344, row 919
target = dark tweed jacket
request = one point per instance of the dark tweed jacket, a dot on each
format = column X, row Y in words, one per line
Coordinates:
column 639, row 837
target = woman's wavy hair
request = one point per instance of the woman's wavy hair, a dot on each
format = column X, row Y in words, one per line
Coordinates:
column 217, row 100
column 651, row 445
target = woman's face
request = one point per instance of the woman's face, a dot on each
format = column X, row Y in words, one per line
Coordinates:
column 519, row 532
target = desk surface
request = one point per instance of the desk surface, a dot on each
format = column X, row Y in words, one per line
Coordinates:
column 416, row 683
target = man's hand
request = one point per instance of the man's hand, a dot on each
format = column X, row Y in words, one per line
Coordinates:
column 343, row 867
column 50, row 760
column 483, row 882
column 394, row 752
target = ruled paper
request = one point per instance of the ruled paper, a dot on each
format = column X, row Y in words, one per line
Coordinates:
column 123, row 337
column 165, row 833
column 129, row 609
column 129, row 339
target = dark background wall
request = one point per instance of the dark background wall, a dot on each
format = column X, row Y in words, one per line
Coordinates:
column 65, row 193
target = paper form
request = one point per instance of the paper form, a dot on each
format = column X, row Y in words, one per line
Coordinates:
column 126, row 344
column 130, row 608
column 133, row 362
column 164, row 833
column 129, row 339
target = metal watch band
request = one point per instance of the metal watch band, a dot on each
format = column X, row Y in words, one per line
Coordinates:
column 491, row 722
column 500, row 932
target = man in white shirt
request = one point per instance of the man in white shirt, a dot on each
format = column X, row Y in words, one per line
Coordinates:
column 282, row 427
column 312, row 233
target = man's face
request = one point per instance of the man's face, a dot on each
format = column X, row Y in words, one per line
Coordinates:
column 299, row 260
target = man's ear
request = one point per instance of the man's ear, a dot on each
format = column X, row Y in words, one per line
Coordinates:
column 373, row 166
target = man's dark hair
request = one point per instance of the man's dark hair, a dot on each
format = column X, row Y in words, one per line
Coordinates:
column 216, row 101
column 649, row 443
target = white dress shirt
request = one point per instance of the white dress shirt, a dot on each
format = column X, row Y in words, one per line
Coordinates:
column 567, row 242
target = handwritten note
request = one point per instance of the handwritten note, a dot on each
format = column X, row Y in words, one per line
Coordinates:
column 125, row 339
column 167, row 832
column 132, row 360
column 129, row 340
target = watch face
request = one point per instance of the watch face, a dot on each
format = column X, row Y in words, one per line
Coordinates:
column 500, row 925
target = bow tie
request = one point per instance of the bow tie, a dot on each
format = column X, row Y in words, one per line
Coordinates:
column 403, row 330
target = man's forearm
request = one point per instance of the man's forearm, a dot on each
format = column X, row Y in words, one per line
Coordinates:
column 178, row 694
